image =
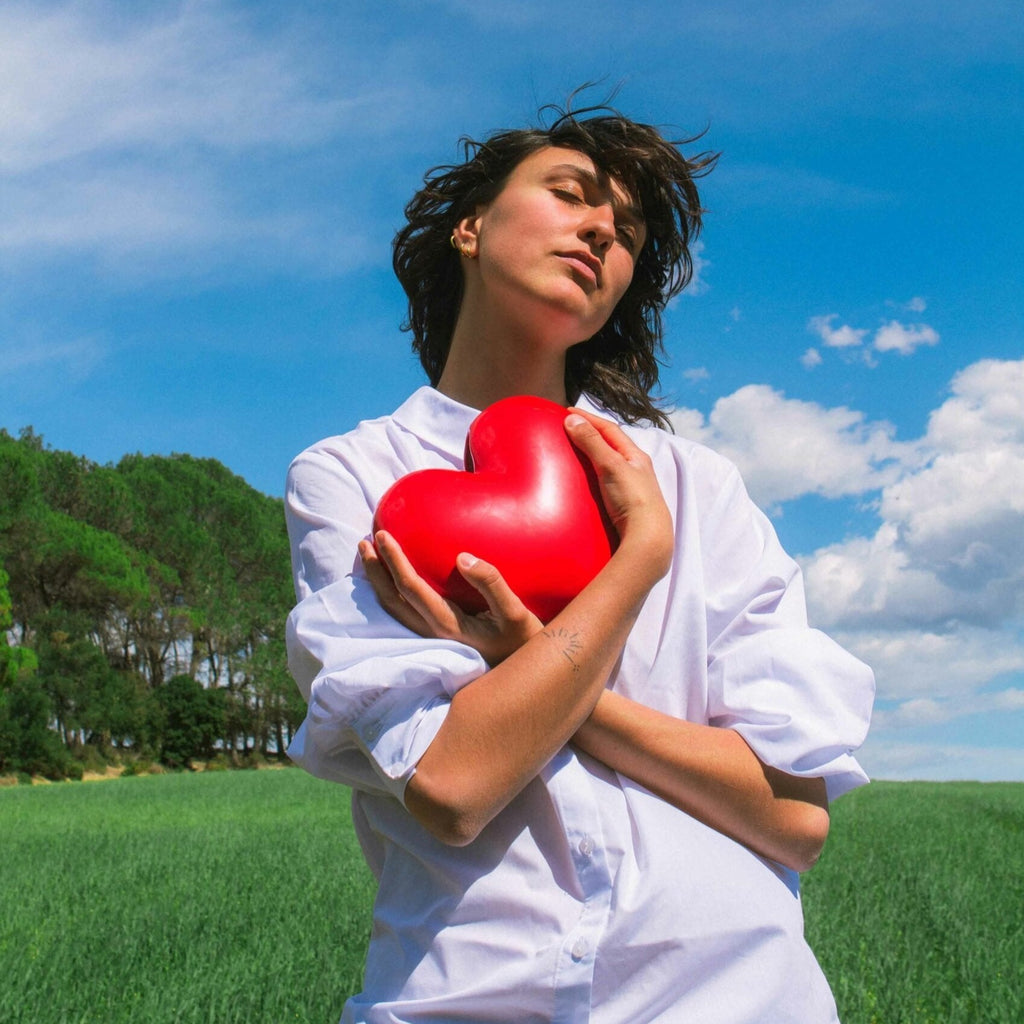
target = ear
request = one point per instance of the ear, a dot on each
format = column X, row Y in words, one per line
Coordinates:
column 467, row 235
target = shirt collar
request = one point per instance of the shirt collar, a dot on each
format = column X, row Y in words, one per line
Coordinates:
column 443, row 423
column 437, row 419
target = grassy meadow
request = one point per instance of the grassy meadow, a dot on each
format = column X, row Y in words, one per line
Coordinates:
column 242, row 896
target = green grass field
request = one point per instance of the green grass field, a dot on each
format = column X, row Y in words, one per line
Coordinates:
column 241, row 896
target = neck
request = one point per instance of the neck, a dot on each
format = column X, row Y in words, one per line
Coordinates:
column 485, row 365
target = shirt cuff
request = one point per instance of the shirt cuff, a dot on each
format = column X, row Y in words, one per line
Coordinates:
column 801, row 702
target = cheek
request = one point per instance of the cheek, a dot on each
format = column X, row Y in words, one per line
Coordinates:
column 523, row 215
column 623, row 275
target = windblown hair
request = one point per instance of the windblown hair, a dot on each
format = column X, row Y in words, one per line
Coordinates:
column 619, row 365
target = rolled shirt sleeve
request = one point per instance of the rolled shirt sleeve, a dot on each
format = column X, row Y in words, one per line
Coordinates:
column 800, row 701
column 376, row 692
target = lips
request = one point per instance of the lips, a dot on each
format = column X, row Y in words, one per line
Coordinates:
column 586, row 262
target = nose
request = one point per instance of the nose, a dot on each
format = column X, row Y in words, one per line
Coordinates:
column 598, row 228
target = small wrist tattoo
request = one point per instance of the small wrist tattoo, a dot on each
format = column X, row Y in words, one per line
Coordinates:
column 570, row 644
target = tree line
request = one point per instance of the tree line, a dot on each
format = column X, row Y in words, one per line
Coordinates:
column 142, row 611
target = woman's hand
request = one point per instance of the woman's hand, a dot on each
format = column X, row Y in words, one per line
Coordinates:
column 632, row 499
column 629, row 489
column 406, row 596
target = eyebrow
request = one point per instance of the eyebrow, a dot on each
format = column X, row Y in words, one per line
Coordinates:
column 628, row 210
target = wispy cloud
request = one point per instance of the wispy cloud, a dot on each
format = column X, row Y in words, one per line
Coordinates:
column 170, row 140
column 757, row 185
column 903, row 338
column 843, row 336
column 920, row 711
column 79, row 80
column 696, row 374
column 886, row 758
column 786, row 448
column 74, row 358
column 892, row 336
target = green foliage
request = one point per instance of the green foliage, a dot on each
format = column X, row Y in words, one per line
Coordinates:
column 193, row 718
column 26, row 743
column 122, row 578
column 94, row 703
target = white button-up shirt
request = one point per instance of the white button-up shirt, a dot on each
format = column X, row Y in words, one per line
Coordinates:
column 588, row 898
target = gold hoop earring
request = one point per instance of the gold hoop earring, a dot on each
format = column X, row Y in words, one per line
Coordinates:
column 462, row 247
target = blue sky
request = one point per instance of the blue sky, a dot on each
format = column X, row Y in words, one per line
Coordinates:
column 197, row 201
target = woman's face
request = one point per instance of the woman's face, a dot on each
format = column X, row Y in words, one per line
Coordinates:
column 560, row 240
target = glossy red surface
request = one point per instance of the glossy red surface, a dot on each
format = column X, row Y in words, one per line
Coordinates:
column 527, row 502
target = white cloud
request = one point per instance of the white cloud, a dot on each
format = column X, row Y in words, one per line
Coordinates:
column 786, row 448
column 165, row 140
column 886, row 757
column 934, row 600
column 751, row 183
column 950, row 544
column 912, row 663
column 688, row 423
column 843, row 336
column 698, row 285
column 74, row 358
column 923, row 711
column 811, row 358
column 904, row 338
column 893, row 336
column 696, row 374
column 79, row 79
column 986, row 408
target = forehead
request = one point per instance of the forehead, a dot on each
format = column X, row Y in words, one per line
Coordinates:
column 554, row 160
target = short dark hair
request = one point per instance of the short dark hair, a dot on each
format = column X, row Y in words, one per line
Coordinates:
column 619, row 365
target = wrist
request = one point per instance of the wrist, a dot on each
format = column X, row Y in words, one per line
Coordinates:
column 647, row 552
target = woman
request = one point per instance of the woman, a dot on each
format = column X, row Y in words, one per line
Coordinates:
column 598, row 818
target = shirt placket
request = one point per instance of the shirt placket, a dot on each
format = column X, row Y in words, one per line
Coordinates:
column 574, row 799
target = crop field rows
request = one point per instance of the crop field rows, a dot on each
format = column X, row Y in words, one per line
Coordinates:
column 242, row 896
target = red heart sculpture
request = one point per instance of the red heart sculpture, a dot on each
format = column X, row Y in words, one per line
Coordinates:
column 528, row 503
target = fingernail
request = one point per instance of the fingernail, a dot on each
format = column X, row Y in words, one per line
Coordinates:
column 574, row 419
column 466, row 560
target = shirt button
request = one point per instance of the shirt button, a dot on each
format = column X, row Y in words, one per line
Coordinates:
column 579, row 950
column 371, row 732
column 586, row 846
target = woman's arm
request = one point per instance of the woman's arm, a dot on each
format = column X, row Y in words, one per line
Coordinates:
column 547, row 687
column 505, row 726
column 712, row 775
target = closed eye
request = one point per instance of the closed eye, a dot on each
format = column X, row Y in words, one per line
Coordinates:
column 569, row 195
column 626, row 236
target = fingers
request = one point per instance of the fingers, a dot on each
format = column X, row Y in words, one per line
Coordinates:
column 507, row 624
column 407, row 597
column 396, row 584
column 628, row 483
column 502, row 601
column 594, row 435
column 441, row 616
column 387, row 594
